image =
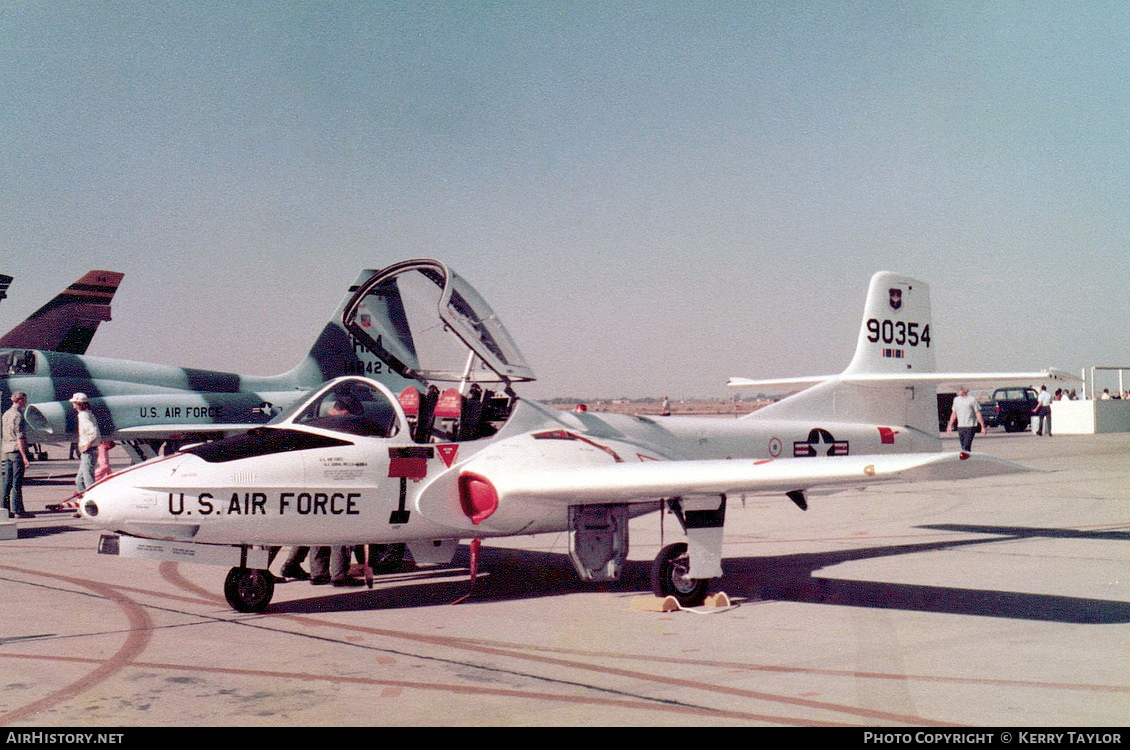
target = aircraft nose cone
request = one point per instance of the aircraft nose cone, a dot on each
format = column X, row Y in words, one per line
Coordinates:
column 96, row 505
column 112, row 500
column 88, row 507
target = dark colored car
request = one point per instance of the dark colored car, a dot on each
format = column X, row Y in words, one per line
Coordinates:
column 1014, row 407
column 989, row 412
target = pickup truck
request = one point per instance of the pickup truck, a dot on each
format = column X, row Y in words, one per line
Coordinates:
column 1014, row 407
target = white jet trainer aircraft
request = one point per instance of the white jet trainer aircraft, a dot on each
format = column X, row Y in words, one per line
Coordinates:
column 459, row 455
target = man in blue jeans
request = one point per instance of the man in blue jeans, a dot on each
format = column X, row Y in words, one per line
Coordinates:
column 13, row 450
column 89, row 436
column 966, row 415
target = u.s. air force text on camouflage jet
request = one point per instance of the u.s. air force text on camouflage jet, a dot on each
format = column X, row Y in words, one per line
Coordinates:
column 458, row 454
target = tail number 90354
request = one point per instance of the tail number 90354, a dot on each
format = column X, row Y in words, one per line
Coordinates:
column 898, row 332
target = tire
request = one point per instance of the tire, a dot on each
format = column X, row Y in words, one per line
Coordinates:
column 249, row 589
column 668, row 577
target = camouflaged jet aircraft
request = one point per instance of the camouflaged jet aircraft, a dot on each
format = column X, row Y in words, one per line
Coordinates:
column 358, row 463
column 142, row 405
column 69, row 321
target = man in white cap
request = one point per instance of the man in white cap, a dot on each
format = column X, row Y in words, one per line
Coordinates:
column 89, row 436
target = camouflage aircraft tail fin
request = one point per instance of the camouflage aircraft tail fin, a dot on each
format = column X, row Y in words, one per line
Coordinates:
column 69, row 321
column 335, row 353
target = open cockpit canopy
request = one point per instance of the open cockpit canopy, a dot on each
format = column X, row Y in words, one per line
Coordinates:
column 428, row 324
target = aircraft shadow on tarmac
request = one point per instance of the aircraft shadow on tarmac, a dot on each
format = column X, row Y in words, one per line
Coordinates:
column 48, row 481
column 34, row 532
column 513, row 574
column 791, row 578
column 504, row 575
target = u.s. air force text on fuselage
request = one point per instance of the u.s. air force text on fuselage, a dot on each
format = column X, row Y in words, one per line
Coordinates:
column 236, row 503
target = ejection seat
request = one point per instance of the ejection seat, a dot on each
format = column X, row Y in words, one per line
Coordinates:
column 420, row 411
column 447, row 416
column 444, row 417
column 409, row 400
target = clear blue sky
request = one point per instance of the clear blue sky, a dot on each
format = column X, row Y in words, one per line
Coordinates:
column 653, row 195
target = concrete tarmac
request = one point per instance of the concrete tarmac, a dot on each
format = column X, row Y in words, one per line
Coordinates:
column 995, row 602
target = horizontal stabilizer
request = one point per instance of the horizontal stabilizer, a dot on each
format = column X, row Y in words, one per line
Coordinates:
column 780, row 384
column 911, row 378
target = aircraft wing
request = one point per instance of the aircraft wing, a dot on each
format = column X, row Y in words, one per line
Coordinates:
column 650, row 481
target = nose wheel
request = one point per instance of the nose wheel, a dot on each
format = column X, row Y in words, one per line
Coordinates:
column 669, row 576
column 249, row 589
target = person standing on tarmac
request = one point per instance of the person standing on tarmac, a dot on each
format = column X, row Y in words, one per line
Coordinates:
column 89, row 436
column 13, row 451
column 1043, row 411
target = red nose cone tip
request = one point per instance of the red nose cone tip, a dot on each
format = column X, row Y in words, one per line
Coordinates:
column 478, row 497
column 963, row 455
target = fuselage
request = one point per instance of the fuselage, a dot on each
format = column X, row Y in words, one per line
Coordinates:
column 307, row 481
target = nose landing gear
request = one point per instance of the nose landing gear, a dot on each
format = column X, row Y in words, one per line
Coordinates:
column 249, row 589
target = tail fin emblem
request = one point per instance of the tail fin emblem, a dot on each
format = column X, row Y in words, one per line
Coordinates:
column 896, row 299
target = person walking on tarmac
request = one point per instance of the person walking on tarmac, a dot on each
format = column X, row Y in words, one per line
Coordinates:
column 89, row 436
column 966, row 414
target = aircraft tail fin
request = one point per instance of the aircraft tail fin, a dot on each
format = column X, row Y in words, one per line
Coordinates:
column 69, row 321
column 894, row 335
column 889, row 380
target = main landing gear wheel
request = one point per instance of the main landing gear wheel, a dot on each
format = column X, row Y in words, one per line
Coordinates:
column 669, row 576
column 249, row 589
